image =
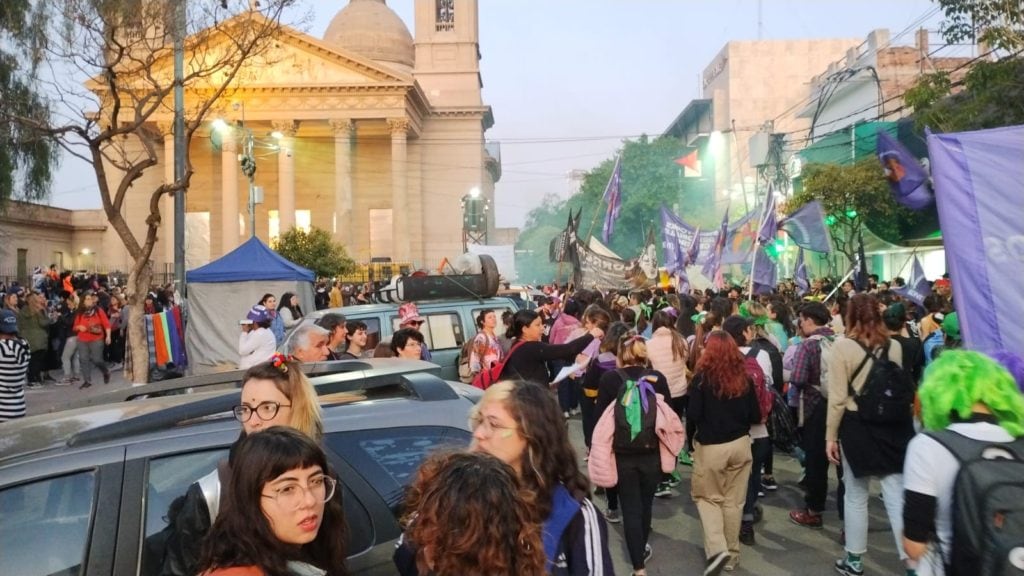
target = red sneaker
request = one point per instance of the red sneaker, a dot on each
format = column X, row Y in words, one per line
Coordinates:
column 805, row 518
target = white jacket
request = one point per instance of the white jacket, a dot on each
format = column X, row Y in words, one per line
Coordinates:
column 255, row 346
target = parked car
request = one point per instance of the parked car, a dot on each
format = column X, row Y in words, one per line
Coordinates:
column 90, row 491
column 449, row 324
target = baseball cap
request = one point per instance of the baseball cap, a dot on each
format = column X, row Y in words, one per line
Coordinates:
column 8, row 322
column 257, row 314
column 408, row 312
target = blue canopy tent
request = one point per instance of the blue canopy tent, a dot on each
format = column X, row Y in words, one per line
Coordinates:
column 221, row 293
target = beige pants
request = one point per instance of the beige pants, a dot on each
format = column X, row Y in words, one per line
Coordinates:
column 719, row 488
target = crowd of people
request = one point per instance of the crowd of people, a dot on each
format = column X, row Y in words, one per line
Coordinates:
column 864, row 382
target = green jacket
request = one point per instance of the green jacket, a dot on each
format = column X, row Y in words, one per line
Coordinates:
column 33, row 328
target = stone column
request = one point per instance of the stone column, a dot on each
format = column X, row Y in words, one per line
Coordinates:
column 399, row 189
column 285, row 175
column 344, row 130
column 167, row 202
column 229, row 193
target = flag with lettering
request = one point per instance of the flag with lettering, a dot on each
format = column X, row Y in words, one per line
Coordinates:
column 803, row 284
column 613, row 199
column 675, row 257
column 806, row 227
column 917, row 287
column 978, row 178
column 693, row 252
column 907, row 179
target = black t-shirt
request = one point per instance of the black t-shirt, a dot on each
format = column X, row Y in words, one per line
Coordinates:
column 611, row 383
column 714, row 420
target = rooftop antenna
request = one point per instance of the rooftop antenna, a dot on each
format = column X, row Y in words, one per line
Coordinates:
column 760, row 20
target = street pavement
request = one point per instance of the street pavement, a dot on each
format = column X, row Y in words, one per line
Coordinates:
column 782, row 547
column 52, row 397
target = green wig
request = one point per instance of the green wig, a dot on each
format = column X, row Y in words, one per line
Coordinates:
column 959, row 379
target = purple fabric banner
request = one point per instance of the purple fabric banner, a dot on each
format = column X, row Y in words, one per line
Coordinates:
column 613, row 197
column 979, row 184
column 806, row 227
column 907, row 179
column 769, row 226
column 918, row 288
column 764, row 272
column 803, row 284
column 739, row 242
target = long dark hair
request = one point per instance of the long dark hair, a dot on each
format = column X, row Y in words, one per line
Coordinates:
column 687, row 309
column 285, row 302
column 783, row 315
column 481, row 496
column 242, row 535
column 550, row 459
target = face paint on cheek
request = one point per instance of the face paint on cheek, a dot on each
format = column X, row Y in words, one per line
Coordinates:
column 506, row 433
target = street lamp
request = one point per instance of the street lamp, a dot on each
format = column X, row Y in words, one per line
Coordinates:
column 474, row 218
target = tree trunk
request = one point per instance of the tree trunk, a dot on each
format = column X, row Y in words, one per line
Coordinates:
column 139, row 282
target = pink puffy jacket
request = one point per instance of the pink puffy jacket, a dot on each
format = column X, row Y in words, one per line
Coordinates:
column 601, row 464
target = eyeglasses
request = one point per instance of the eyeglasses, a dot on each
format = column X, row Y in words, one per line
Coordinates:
column 291, row 496
column 265, row 410
column 489, row 428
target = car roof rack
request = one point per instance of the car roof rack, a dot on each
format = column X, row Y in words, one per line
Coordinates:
column 422, row 385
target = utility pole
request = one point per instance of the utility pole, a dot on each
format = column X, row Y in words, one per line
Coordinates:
column 180, row 21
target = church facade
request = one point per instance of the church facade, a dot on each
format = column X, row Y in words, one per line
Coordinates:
column 370, row 133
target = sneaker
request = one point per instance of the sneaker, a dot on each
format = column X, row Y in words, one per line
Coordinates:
column 65, row 382
column 685, row 459
column 805, row 518
column 613, row 516
column 674, row 480
column 768, row 483
column 846, row 569
column 732, row 564
column 85, row 385
column 714, row 565
column 648, row 552
column 34, row 385
column 747, row 534
column 565, row 415
column 760, row 493
column 663, row 490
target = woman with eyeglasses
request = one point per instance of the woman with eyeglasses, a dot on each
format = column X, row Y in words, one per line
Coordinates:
column 521, row 424
column 274, row 393
column 281, row 515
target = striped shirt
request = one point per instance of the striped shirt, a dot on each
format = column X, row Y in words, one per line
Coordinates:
column 14, row 355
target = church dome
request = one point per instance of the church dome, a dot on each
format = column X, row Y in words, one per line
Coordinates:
column 369, row 28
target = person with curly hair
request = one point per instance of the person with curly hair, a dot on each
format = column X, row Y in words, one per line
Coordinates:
column 274, row 393
column 280, row 516
column 521, row 424
column 970, row 395
column 723, row 406
column 466, row 515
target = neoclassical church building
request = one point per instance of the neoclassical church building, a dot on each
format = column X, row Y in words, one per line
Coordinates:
column 370, row 133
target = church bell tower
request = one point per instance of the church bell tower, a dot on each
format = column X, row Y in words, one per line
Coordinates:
column 448, row 51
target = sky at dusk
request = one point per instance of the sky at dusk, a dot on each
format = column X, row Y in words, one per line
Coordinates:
column 568, row 80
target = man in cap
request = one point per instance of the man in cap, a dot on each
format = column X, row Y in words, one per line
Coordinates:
column 409, row 317
column 14, row 359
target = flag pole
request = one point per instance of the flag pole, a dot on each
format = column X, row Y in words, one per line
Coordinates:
column 908, row 260
column 853, row 270
column 753, row 265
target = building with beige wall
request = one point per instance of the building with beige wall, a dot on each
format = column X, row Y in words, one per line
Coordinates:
column 370, row 133
column 747, row 84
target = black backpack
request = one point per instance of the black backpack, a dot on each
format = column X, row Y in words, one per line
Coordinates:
column 888, row 393
column 988, row 505
column 646, row 440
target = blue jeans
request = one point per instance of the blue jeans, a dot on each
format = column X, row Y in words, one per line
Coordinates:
column 760, row 448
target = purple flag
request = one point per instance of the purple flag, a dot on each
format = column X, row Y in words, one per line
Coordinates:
column 917, row 288
column 806, row 227
column 764, row 272
column 978, row 179
column 613, row 198
column 713, row 266
column 675, row 259
column 769, row 226
column 694, row 250
column 803, row 284
column 907, row 179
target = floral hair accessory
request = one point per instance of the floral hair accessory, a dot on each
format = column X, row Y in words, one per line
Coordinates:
column 671, row 311
column 280, row 361
column 698, row 318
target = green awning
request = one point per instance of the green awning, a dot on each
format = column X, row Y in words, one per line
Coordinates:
column 843, row 148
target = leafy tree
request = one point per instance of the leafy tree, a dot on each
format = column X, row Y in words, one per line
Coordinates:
column 109, row 68
column 853, row 196
column 315, row 250
column 991, row 93
column 26, row 159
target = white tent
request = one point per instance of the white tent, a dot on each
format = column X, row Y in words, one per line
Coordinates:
column 222, row 292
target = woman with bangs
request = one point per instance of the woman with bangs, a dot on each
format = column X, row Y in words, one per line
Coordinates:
column 274, row 393
column 282, row 516
column 723, row 405
column 520, row 423
column 466, row 515
column 865, row 449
